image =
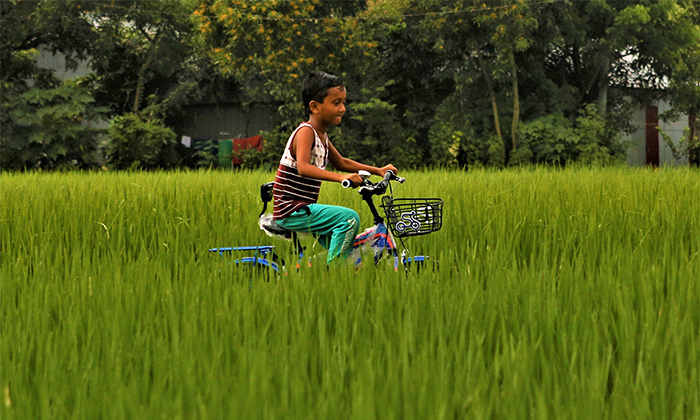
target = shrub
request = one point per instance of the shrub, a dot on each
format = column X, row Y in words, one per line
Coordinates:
column 688, row 147
column 549, row 139
column 554, row 139
column 454, row 143
column 45, row 128
column 251, row 158
column 139, row 143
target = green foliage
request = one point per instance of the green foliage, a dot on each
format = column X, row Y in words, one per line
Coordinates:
column 597, row 145
column 555, row 140
column 374, row 134
column 453, row 142
column 510, row 26
column 410, row 60
column 457, row 138
column 549, row 140
column 513, row 62
column 565, row 55
column 50, row 129
column 136, row 49
column 269, row 45
column 274, row 142
column 137, row 141
column 206, row 154
column 43, row 123
column 688, row 147
column 251, row 158
column 141, row 49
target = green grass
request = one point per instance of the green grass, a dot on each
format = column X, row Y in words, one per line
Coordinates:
column 557, row 294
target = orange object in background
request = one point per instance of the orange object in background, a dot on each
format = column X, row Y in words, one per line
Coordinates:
column 255, row 142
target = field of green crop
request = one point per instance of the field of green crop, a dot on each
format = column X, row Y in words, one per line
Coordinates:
column 561, row 294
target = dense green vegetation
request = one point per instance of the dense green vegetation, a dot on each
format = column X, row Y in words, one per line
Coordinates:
column 557, row 294
column 462, row 82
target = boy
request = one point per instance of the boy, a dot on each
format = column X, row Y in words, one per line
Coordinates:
column 303, row 167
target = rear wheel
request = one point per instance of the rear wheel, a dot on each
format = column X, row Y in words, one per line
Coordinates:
column 266, row 267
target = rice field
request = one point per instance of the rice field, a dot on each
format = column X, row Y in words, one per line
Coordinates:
column 561, row 294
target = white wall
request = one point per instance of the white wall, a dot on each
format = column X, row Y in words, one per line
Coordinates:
column 636, row 153
column 57, row 63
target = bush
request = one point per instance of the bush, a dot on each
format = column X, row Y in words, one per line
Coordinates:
column 45, row 128
column 251, row 158
column 597, row 144
column 139, row 143
column 549, row 140
column 454, row 143
column 554, row 139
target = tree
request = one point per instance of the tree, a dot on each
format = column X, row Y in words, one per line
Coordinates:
column 511, row 27
column 51, row 129
column 612, row 52
column 411, row 73
column 460, row 81
column 683, row 63
column 559, row 57
column 485, row 37
column 141, row 49
column 43, row 121
column 268, row 47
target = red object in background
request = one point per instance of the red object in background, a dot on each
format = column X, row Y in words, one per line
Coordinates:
column 255, row 142
column 652, row 135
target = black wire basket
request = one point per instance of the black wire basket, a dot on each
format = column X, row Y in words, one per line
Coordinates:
column 412, row 216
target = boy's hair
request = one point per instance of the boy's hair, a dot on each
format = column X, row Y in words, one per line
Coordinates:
column 316, row 85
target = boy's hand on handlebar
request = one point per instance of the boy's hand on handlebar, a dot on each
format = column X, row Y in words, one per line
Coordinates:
column 383, row 170
column 355, row 179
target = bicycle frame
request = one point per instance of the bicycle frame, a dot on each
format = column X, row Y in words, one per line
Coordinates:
column 260, row 255
column 386, row 238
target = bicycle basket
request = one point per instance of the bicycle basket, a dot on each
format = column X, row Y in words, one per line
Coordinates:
column 412, row 216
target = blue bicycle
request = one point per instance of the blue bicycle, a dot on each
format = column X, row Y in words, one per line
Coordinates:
column 403, row 218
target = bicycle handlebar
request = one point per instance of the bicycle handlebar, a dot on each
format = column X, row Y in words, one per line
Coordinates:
column 379, row 188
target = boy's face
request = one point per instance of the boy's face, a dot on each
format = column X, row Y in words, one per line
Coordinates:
column 332, row 108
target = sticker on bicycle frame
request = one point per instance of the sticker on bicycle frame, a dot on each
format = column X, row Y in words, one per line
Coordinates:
column 407, row 221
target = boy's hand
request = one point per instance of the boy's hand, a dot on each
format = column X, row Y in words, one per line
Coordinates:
column 389, row 167
column 354, row 178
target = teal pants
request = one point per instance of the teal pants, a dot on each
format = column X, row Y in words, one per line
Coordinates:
column 334, row 226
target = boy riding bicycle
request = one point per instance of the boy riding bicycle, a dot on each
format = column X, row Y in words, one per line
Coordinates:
column 303, row 167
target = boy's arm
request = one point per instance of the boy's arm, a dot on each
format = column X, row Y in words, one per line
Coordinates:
column 301, row 146
column 348, row 165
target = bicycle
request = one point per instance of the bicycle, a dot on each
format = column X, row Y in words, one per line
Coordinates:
column 403, row 218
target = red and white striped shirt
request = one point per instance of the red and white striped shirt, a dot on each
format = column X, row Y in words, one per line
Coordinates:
column 291, row 191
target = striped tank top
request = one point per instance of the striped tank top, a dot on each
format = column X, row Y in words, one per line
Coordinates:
column 291, row 191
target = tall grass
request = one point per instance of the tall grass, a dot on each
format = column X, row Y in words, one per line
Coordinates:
column 556, row 294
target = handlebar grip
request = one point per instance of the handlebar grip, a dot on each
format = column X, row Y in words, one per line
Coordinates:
column 346, row 183
column 391, row 176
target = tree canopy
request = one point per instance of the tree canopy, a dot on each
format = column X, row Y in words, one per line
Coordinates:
column 430, row 82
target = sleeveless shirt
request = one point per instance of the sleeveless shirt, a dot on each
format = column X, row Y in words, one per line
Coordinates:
column 292, row 191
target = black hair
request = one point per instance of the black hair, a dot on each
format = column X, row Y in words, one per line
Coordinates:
column 315, row 87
